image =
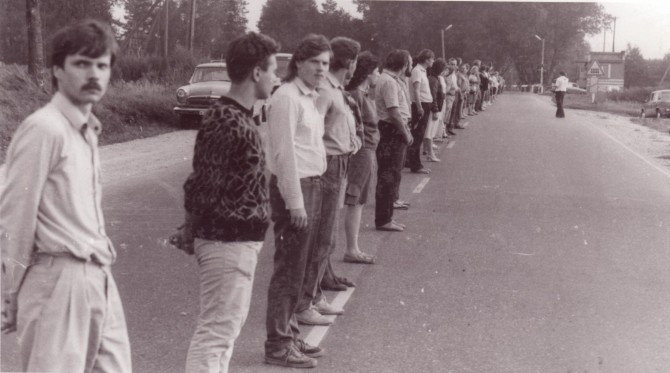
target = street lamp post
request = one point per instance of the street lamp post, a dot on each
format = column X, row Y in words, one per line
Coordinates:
column 541, row 65
column 442, row 33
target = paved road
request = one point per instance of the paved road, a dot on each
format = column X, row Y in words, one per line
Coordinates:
column 536, row 245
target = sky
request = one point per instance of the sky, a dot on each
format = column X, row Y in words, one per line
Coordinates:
column 645, row 24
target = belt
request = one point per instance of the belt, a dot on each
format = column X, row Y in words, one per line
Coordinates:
column 44, row 258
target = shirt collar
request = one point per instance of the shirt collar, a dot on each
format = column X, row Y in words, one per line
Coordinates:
column 229, row 101
column 392, row 74
column 76, row 118
column 330, row 78
column 303, row 88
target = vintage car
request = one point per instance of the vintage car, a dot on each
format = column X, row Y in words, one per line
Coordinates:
column 209, row 81
column 658, row 104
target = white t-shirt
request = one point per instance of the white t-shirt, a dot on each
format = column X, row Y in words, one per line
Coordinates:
column 420, row 75
column 561, row 84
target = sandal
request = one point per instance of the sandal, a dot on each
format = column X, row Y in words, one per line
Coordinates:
column 361, row 258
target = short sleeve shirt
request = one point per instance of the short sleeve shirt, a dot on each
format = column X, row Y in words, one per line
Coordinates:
column 419, row 74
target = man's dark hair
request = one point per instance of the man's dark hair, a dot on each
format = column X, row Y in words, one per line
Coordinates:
column 424, row 56
column 311, row 46
column 89, row 37
column 344, row 50
column 396, row 60
column 562, row 73
column 477, row 63
column 247, row 52
column 366, row 65
column 438, row 67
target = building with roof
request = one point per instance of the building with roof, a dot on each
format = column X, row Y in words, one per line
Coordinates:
column 602, row 71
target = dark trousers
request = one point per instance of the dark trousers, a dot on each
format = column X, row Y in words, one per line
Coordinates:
column 292, row 254
column 455, row 114
column 559, row 104
column 332, row 182
column 390, row 161
column 478, row 100
column 419, row 124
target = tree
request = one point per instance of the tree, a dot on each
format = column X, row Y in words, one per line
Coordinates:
column 35, row 44
column 636, row 72
column 288, row 21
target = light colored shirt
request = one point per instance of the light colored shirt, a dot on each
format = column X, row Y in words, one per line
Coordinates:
column 420, row 75
column 390, row 93
column 51, row 201
column 340, row 125
column 295, row 148
column 452, row 84
column 561, row 83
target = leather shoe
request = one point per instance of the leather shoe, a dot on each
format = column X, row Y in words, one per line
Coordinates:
column 309, row 350
column 328, row 285
column 325, row 308
column 310, row 316
column 345, row 281
column 290, row 357
column 460, row 127
column 421, row 171
column 452, row 133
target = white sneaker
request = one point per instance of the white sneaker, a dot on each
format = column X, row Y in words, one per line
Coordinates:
column 311, row 316
column 325, row 308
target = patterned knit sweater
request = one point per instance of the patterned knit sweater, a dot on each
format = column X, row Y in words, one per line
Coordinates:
column 227, row 192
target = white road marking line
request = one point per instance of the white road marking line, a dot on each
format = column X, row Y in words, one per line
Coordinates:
column 317, row 333
column 451, row 144
column 647, row 161
column 422, row 184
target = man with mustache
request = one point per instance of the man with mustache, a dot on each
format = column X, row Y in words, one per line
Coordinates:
column 58, row 291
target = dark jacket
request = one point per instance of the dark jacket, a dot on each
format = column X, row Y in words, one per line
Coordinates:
column 437, row 92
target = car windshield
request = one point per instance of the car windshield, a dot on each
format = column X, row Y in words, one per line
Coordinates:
column 207, row 74
column 664, row 96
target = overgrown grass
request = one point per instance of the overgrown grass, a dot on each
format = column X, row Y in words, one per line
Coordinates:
column 128, row 111
column 602, row 103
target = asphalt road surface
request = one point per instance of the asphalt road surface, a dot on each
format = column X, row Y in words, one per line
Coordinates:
column 536, row 245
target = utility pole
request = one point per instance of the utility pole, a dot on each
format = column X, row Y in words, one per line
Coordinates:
column 442, row 34
column 191, row 26
column 35, row 42
column 166, row 27
column 604, row 38
column 613, row 34
column 541, row 64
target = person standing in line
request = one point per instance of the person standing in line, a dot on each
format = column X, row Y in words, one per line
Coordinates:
column 296, row 158
column 561, row 88
column 480, row 95
column 464, row 84
column 226, row 201
column 436, row 109
column 474, row 89
column 342, row 138
column 58, row 291
column 421, row 102
column 363, row 164
column 405, row 76
column 393, row 111
column 455, row 115
column 451, row 83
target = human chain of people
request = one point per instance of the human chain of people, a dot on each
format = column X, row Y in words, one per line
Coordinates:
column 341, row 119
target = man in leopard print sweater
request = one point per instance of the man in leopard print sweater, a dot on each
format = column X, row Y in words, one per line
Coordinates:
column 226, row 200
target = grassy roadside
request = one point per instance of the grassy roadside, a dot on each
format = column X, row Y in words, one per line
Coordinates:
column 630, row 109
column 128, row 111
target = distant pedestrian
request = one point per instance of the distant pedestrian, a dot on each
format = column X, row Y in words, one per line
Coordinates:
column 296, row 159
column 421, row 102
column 559, row 91
column 393, row 111
column 436, row 109
column 58, row 291
column 226, row 200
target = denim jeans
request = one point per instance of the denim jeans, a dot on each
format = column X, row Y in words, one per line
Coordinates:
column 390, row 160
column 419, row 124
column 333, row 182
column 292, row 249
column 226, row 279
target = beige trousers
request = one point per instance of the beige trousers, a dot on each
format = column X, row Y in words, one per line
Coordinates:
column 70, row 319
column 226, row 279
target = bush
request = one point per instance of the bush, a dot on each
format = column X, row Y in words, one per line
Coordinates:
column 176, row 70
column 637, row 94
column 129, row 110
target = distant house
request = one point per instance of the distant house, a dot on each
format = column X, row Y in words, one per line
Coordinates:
column 602, row 71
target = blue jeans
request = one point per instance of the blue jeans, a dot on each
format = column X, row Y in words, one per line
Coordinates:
column 292, row 248
column 332, row 184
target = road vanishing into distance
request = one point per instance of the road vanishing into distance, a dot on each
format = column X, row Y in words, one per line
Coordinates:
column 536, row 245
